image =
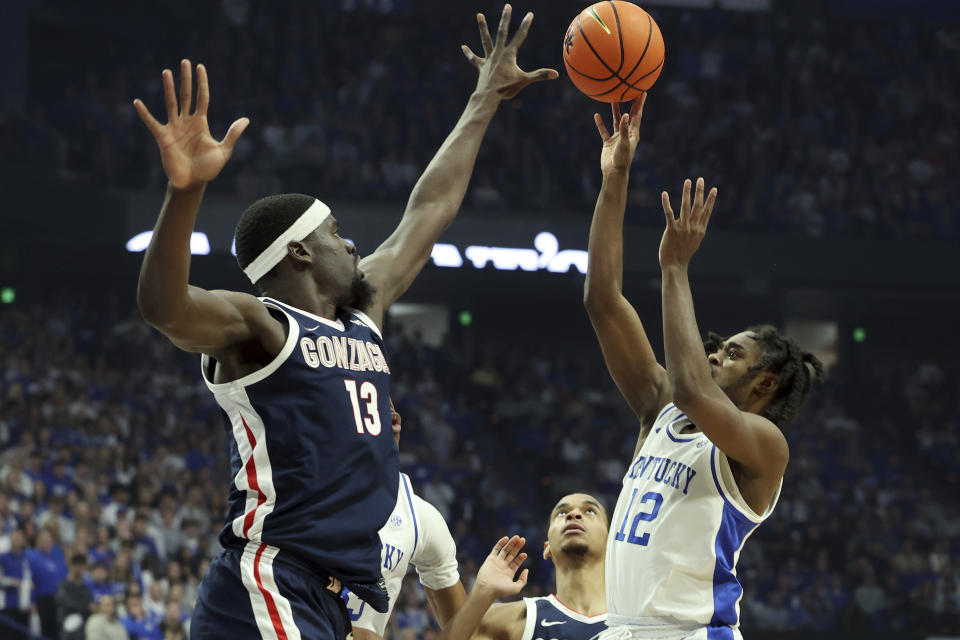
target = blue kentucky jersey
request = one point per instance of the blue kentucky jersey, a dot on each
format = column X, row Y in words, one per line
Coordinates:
column 314, row 462
column 550, row 619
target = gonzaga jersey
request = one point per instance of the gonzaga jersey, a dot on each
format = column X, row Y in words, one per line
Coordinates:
column 415, row 533
column 312, row 452
column 676, row 534
column 550, row 619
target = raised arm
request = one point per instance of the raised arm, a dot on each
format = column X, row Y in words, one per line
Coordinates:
column 494, row 580
column 751, row 440
column 626, row 348
column 194, row 319
column 437, row 196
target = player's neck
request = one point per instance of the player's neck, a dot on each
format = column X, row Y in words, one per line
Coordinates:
column 307, row 298
column 583, row 588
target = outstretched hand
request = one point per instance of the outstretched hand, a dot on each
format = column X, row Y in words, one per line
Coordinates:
column 683, row 235
column 497, row 571
column 498, row 68
column 190, row 155
column 618, row 149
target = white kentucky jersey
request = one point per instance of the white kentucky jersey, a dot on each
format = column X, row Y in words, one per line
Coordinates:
column 415, row 533
column 550, row 619
column 676, row 535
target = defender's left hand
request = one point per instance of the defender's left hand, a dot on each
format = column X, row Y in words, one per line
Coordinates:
column 499, row 71
column 498, row 570
column 683, row 235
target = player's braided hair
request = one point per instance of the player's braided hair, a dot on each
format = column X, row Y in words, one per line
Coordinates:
column 796, row 370
column 263, row 222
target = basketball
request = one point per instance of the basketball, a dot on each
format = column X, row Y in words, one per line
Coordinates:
column 613, row 51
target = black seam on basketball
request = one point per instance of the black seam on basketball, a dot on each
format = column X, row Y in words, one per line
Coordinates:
column 602, row 61
column 645, row 48
column 616, row 17
column 570, row 67
column 630, row 85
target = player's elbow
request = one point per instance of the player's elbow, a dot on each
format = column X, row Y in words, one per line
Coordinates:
column 151, row 309
column 598, row 300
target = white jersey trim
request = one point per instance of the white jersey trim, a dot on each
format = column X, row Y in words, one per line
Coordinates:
column 570, row 613
column 531, row 622
column 293, row 334
column 250, row 435
column 730, row 492
column 271, row 610
column 335, row 324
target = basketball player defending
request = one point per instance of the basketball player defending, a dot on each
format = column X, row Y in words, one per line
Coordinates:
column 415, row 533
column 576, row 541
column 301, row 373
column 710, row 459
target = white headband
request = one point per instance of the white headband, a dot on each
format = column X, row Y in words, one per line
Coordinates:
column 312, row 218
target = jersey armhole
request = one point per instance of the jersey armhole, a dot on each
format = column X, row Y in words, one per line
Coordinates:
column 208, row 365
column 531, row 623
column 727, row 486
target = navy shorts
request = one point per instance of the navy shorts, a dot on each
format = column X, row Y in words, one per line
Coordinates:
column 251, row 593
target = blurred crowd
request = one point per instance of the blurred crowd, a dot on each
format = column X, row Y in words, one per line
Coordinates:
column 808, row 123
column 114, row 470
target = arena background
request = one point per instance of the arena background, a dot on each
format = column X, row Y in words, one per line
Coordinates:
column 830, row 128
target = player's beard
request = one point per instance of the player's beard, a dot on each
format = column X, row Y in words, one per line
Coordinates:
column 361, row 293
column 577, row 550
column 738, row 389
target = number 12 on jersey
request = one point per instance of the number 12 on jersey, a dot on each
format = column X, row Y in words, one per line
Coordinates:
column 646, row 516
column 367, row 393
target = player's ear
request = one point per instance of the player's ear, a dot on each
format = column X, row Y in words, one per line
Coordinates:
column 765, row 384
column 299, row 252
column 546, row 551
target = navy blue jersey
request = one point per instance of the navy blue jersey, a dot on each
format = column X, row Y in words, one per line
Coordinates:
column 314, row 462
column 550, row 619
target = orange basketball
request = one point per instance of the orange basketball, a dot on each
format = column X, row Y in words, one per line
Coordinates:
column 613, row 51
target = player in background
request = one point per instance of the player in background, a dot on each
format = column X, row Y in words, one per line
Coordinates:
column 576, row 541
column 301, row 373
column 415, row 533
column 710, row 458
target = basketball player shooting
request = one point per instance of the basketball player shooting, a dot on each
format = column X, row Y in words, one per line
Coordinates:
column 301, row 372
column 710, row 459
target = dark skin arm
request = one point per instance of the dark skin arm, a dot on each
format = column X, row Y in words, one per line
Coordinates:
column 626, row 348
column 437, row 196
column 755, row 443
column 194, row 319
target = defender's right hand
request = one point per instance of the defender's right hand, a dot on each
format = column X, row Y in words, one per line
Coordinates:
column 497, row 571
column 191, row 157
column 618, row 149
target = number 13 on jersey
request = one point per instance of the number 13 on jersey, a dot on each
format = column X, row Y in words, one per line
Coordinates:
column 367, row 393
column 643, row 515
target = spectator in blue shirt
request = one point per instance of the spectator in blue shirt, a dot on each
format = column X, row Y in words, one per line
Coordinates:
column 138, row 623
column 98, row 583
column 15, row 582
column 58, row 481
column 49, row 568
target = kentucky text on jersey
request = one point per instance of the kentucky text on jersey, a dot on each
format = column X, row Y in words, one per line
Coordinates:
column 675, row 537
column 414, row 534
column 663, row 470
